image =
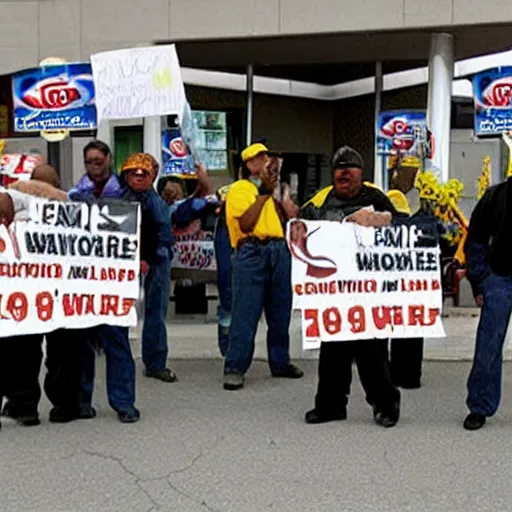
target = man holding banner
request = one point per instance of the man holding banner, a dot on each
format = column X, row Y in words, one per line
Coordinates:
column 351, row 200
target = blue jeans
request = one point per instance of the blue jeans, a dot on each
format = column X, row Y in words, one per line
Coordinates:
column 154, row 331
column 261, row 282
column 120, row 367
column 223, row 253
column 484, row 383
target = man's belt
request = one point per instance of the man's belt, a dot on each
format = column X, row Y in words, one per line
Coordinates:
column 257, row 241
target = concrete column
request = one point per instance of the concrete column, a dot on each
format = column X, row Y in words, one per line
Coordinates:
column 104, row 134
column 250, row 103
column 440, row 77
column 152, row 141
column 378, row 177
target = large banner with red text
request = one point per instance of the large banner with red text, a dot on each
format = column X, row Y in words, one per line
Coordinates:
column 69, row 265
column 352, row 282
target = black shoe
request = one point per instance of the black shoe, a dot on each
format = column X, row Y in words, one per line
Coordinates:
column 131, row 416
column 233, row 381
column 387, row 419
column 23, row 418
column 86, row 413
column 314, row 417
column 165, row 375
column 474, row 421
column 289, row 372
column 62, row 415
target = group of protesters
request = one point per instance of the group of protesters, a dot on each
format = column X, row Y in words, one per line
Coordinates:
column 254, row 277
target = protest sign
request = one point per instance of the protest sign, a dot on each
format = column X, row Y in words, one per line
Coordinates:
column 138, row 82
column 70, row 265
column 352, row 282
column 56, row 97
column 194, row 247
column 492, row 91
column 14, row 167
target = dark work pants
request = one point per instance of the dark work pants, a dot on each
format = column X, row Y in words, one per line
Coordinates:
column 20, row 360
column 64, row 349
column 335, row 375
column 406, row 361
column 64, row 356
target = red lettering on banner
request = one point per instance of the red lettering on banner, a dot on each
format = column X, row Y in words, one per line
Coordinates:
column 298, row 289
column 17, row 306
column 132, row 275
column 109, row 304
column 387, row 315
column 414, row 285
column 332, row 320
column 44, row 306
column 357, row 319
column 128, row 304
column 77, row 304
column 425, row 317
column 313, row 329
column 436, row 285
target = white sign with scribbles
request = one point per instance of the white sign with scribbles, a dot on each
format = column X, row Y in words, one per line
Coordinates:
column 138, row 82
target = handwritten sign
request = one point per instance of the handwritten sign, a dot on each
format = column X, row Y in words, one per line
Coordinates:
column 194, row 248
column 70, row 265
column 352, row 282
column 139, row 82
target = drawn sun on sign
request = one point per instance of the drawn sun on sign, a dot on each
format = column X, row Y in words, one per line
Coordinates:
column 162, row 79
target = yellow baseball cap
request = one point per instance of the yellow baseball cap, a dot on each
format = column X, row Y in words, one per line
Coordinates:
column 253, row 151
column 399, row 201
column 410, row 161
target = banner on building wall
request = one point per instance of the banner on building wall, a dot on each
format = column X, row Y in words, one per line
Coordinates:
column 403, row 133
column 138, row 82
column 176, row 157
column 371, row 283
column 56, row 97
column 69, row 265
column 492, row 92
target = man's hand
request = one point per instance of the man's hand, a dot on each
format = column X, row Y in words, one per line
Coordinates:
column 144, row 267
column 268, row 181
column 290, row 208
column 204, row 184
column 479, row 300
column 371, row 219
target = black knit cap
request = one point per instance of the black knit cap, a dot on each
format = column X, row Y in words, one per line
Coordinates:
column 345, row 157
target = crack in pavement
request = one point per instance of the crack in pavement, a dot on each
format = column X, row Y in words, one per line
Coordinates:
column 139, row 480
column 154, row 504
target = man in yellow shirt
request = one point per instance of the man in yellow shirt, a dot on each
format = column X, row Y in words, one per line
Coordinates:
column 261, row 269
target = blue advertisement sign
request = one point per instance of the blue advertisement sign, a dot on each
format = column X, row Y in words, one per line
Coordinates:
column 401, row 132
column 177, row 160
column 492, row 92
column 59, row 97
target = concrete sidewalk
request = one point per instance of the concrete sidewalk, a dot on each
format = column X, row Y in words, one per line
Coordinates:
column 200, row 448
column 196, row 337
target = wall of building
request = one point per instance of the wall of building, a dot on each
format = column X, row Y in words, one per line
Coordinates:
column 73, row 29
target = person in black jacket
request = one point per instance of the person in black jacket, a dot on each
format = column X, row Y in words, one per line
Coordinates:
column 489, row 271
column 346, row 200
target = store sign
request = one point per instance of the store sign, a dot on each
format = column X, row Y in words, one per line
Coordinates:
column 177, row 161
column 71, row 265
column 492, row 92
column 372, row 283
column 54, row 97
column 404, row 133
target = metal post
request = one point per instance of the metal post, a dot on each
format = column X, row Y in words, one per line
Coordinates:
column 440, row 77
column 379, row 170
column 250, row 102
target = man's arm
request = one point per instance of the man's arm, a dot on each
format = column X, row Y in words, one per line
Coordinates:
column 477, row 243
column 250, row 217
